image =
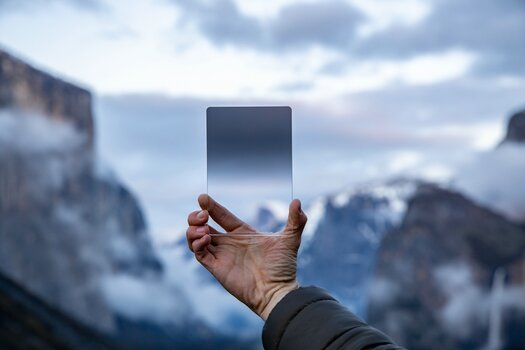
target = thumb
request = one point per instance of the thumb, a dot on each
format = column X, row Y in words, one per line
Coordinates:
column 296, row 219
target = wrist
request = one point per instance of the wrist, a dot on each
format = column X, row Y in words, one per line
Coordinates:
column 276, row 296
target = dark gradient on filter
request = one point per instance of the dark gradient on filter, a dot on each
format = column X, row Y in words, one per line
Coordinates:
column 255, row 141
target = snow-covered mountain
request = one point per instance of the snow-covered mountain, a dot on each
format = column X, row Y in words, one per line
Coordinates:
column 343, row 233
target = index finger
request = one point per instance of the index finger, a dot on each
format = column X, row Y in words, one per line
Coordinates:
column 220, row 214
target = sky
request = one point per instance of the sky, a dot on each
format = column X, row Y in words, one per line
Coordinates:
column 377, row 88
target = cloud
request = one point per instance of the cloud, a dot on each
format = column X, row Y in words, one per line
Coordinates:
column 458, row 101
column 24, row 5
column 326, row 23
column 30, row 133
column 56, row 149
column 469, row 306
column 492, row 29
column 209, row 300
column 184, row 291
column 383, row 291
column 140, row 298
column 495, row 179
column 221, row 21
column 466, row 308
column 298, row 25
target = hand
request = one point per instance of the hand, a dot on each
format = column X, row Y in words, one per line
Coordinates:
column 258, row 271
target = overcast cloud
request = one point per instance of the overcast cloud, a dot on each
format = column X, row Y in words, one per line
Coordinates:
column 493, row 30
column 326, row 23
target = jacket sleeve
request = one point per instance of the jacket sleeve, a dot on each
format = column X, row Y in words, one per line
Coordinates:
column 309, row 318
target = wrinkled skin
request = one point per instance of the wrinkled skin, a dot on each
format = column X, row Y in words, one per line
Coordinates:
column 257, row 270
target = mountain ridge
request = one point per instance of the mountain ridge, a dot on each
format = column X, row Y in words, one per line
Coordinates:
column 433, row 285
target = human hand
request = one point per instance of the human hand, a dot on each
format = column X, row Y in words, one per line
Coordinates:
column 257, row 270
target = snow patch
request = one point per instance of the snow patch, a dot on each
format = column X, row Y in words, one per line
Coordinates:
column 278, row 209
column 315, row 213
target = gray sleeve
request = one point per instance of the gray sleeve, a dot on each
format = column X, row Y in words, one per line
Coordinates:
column 309, row 318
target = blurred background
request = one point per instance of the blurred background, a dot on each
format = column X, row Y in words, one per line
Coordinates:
column 409, row 157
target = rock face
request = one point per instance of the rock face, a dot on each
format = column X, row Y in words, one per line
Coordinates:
column 516, row 128
column 432, row 287
column 24, row 87
column 62, row 225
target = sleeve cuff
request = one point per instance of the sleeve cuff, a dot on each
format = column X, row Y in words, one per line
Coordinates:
column 289, row 307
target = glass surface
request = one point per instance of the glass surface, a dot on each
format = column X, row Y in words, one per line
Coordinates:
column 249, row 162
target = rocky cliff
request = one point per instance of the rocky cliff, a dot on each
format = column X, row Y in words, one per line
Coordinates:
column 26, row 88
column 62, row 224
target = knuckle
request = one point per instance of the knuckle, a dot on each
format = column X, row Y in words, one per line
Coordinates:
column 195, row 245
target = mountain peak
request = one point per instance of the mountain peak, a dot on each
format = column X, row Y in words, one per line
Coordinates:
column 516, row 128
column 24, row 87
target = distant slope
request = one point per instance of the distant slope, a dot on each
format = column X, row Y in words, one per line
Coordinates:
column 26, row 322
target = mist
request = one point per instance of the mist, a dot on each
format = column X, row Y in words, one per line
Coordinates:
column 495, row 179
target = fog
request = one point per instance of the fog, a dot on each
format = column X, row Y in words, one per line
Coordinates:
column 495, row 179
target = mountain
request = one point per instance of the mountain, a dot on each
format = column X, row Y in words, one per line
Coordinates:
column 61, row 224
column 516, row 128
column 25, row 87
column 342, row 236
column 443, row 256
column 452, row 275
column 76, row 259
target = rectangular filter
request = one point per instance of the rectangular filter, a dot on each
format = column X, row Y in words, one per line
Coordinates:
column 249, row 164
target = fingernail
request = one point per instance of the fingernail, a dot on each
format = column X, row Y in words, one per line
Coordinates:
column 201, row 229
column 201, row 215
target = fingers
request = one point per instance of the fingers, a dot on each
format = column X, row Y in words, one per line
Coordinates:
column 198, row 218
column 221, row 215
column 195, row 233
column 296, row 218
column 199, row 245
column 199, row 242
column 197, row 227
